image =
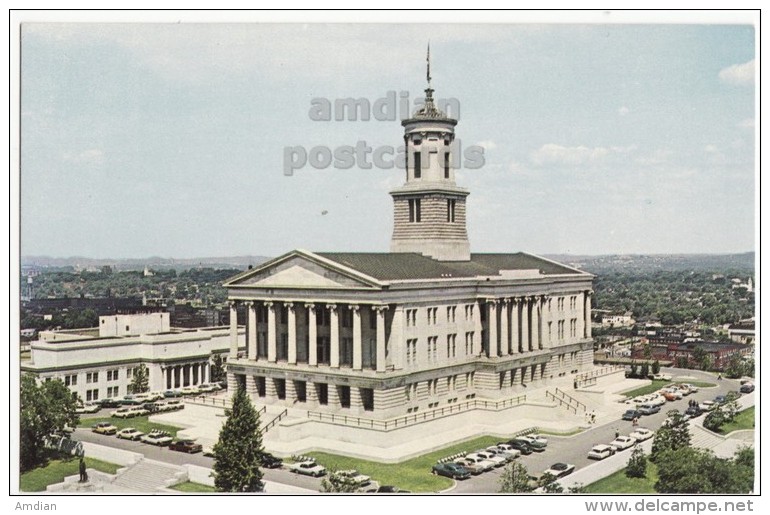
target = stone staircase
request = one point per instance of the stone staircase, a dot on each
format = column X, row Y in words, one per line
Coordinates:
column 147, row 476
column 703, row 438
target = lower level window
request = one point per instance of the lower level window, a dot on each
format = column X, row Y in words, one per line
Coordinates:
column 92, row 395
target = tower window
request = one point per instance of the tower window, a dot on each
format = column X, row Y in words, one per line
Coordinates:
column 446, row 166
column 417, row 165
column 414, row 210
column 450, row 210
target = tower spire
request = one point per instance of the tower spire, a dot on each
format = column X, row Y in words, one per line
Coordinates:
column 428, row 60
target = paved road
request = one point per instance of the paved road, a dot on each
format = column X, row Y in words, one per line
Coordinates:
column 575, row 448
column 566, row 449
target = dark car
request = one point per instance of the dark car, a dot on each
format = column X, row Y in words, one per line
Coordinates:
column 390, row 489
column 693, row 412
column 187, row 446
column 520, row 445
column 631, row 414
column 720, row 399
column 452, row 470
column 270, row 461
column 172, row 393
column 110, row 403
column 747, row 388
column 559, row 470
column 152, row 407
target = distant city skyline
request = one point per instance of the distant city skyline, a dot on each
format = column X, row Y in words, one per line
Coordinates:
column 170, row 140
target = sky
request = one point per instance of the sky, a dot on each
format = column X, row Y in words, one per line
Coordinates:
column 170, row 139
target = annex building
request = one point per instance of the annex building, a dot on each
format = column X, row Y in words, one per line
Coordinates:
column 424, row 327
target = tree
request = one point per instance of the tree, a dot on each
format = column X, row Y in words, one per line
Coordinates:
column 633, row 369
column 239, row 449
column 637, row 463
column 140, row 383
column 335, row 483
column 514, row 479
column 734, row 367
column 45, row 409
column 645, row 370
column 656, row 367
column 715, row 419
column 698, row 471
column 674, row 434
column 549, row 485
column 217, row 368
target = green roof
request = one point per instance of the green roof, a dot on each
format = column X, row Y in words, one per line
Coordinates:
column 413, row 266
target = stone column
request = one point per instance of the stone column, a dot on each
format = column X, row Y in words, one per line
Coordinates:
column 356, row 402
column 271, row 332
column 332, row 398
column 526, row 345
column 291, row 391
column 587, row 308
column 505, row 337
column 251, row 346
column 397, row 340
column 311, row 394
column 334, row 336
column 536, row 323
column 292, row 336
column 357, row 345
column 204, row 366
column 515, row 326
column 270, row 391
column 233, row 330
column 381, row 337
column 581, row 318
column 492, row 327
column 251, row 386
column 478, row 341
column 312, row 336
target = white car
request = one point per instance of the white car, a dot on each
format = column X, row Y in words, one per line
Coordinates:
column 536, row 441
column 657, row 400
column 307, row 468
column 642, row 433
column 88, row 407
column 499, row 461
column 156, row 437
column 354, row 477
column 190, row 390
column 691, row 387
column 601, row 451
column 507, row 449
column 497, row 452
column 480, row 462
column 130, row 433
column 559, row 470
column 623, row 442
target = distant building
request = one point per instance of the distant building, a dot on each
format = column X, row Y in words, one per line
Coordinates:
column 743, row 332
column 625, row 320
column 98, row 363
column 719, row 352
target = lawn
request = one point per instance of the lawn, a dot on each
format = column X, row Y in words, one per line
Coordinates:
column 657, row 385
column 618, row 483
column 189, row 486
column 38, row 479
column 140, row 423
column 743, row 420
column 413, row 475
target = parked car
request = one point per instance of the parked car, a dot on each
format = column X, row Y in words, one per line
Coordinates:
column 631, row 414
column 499, row 461
column 157, row 437
column 507, row 456
column 720, row 399
column 538, row 443
column 110, row 403
column 451, row 470
column 104, row 428
column 190, row 390
column 482, row 461
column 671, row 394
column 88, row 407
column 707, row 405
column 657, row 400
column 354, row 477
column 693, row 412
column 172, row 393
column 521, row 446
column 129, row 412
column 307, row 468
column 601, row 451
column 129, row 433
column 389, row 489
column 507, row 449
column 207, row 388
column 187, row 446
column 132, row 400
column 623, row 442
column 649, row 409
column 641, row 434
column 691, row 387
column 661, row 377
column 473, row 466
column 747, row 387
column 559, row 470
column 271, row 462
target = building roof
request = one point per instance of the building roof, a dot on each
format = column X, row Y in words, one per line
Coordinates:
column 414, row 266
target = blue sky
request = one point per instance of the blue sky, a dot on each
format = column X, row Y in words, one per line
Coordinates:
column 168, row 139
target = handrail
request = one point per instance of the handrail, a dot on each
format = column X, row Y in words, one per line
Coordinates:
column 579, row 404
column 273, row 422
column 415, row 418
column 599, row 372
column 561, row 402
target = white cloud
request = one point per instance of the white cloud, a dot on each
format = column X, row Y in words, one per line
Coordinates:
column 738, row 74
column 623, row 111
column 553, row 154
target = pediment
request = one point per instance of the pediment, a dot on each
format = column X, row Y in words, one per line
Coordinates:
column 298, row 271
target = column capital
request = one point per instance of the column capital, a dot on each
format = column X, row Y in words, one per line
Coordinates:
column 232, row 303
column 331, row 307
column 354, row 307
column 590, row 293
column 249, row 304
column 506, row 300
column 380, row 308
column 268, row 304
column 289, row 305
column 491, row 301
column 309, row 305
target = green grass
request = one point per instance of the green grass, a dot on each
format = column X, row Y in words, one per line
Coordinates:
column 618, row 483
column 38, row 479
column 189, row 486
column 657, row 385
column 413, row 475
column 743, row 420
column 141, row 423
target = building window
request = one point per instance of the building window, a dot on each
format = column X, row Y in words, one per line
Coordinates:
column 451, row 343
column 446, row 169
column 451, row 313
column 112, row 375
column 411, row 351
column 411, row 317
column 417, row 165
column 71, row 380
column 113, row 391
column 432, row 345
column 344, row 394
column 129, row 373
column 469, row 343
column 469, row 377
column 300, row 387
column 92, row 395
column 469, row 312
column 280, row 388
column 367, row 398
column 92, row 377
column 322, row 389
column 260, row 383
column 450, row 210
column 415, row 214
column 432, row 316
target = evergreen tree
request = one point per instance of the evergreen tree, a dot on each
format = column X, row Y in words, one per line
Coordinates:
column 645, row 370
column 217, row 368
column 637, row 463
column 239, row 449
column 655, row 367
column 674, row 434
column 140, row 383
column 514, row 479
